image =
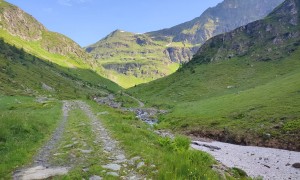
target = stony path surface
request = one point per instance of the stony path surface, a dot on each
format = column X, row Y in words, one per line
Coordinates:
column 271, row 164
column 118, row 165
column 118, row 161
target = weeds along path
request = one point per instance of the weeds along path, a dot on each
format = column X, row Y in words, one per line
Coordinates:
column 79, row 145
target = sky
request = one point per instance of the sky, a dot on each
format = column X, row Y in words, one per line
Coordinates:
column 88, row 21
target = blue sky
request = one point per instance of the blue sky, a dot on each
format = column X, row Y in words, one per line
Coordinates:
column 87, row 21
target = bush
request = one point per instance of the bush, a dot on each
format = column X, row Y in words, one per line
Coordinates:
column 179, row 144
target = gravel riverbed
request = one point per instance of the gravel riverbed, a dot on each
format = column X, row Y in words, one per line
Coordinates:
column 269, row 163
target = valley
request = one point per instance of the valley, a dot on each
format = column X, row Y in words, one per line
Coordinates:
column 130, row 59
column 214, row 98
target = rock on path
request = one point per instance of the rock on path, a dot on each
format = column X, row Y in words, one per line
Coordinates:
column 271, row 164
column 40, row 172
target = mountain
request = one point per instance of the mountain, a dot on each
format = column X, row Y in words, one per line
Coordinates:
column 17, row 23
column 225, row 17
column 31, row 53
column 240, row 87
column 131, row 59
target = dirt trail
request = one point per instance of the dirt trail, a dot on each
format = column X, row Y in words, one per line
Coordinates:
column 141, row 104
column 116, row 155
column 42, row 168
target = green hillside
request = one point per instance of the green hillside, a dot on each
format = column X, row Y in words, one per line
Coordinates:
column 34, row 41
column 240, row 87
column 24, row 74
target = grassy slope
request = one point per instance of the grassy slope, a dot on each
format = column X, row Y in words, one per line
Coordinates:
column 22, row 131
column 22, row 73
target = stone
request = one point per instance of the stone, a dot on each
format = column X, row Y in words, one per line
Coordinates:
column 40, row 172
column 114, row 167
column 113, row 174
column 85, row 151
column 68, row 146
column 120, row 157
column 95, row 178
column 140, row 164
column 296, row 165
column 132, row 178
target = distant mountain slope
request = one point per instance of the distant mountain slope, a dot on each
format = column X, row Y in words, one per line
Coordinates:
column 225, row 17
column 19, row 29
column 131, row 59
column 240, row 87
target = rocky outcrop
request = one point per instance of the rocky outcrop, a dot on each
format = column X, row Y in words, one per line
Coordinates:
column 180, row 55
column 20, row 24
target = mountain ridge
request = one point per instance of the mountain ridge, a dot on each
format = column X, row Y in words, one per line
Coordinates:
column 173, row 46
column 24, row 26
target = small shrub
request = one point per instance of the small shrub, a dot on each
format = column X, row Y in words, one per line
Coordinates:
column 239, row 172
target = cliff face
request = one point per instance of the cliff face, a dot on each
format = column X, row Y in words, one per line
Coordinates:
column 180, row 54
column 271, row 38
column 20, row 24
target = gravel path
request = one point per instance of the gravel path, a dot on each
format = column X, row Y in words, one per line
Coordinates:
column 118, row 163
column 271, row 164
column 116, row 155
